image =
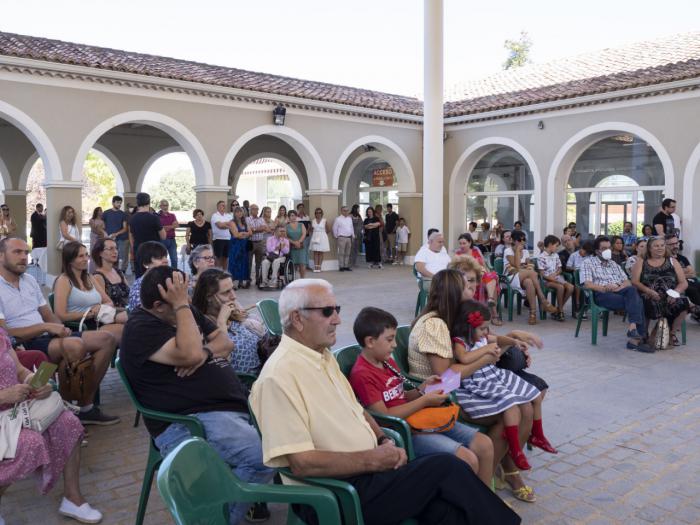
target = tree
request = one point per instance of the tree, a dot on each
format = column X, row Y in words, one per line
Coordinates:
column 518, row 51
column 177, row 187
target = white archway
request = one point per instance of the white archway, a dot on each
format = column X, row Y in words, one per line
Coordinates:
column 366, row 158
column 691, row 185
column 315, row 171
column 462, row 170
column 572, row 149
column 5, row 176
column 297, row 190
column 109, row 158
column 185, row 138
column 37, row 136
column 394, row 155
column 151, row 160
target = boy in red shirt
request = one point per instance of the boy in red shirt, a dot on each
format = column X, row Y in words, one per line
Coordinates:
column 379, row 388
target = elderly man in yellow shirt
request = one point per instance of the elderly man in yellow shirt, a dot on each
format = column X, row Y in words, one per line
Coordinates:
column 311, row 422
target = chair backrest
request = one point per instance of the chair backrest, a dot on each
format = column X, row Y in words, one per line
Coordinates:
column 51, row 297
column 127, row 385
column 346, row 358
column 400, row 353
column 196, row 485
column 270, row 313
column 498, row 265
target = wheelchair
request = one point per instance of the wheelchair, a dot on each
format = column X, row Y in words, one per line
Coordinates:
column 284, row 276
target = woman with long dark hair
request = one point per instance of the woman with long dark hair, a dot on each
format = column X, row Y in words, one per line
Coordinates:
column 372, row 226
column 238, row 265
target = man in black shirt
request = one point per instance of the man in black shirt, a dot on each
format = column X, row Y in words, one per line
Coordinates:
column 38, row 231
column 693, row 290
column 391, row 220
column 176, row 360
column 143, row 226
column 663, row 222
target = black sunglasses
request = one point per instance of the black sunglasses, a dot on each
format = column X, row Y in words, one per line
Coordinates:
column 326, row 311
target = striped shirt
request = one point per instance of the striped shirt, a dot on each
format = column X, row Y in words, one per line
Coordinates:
column 603, row 273
column 255, row 223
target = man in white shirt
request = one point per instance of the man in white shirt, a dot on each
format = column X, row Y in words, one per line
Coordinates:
column 221, row 234
column 432, row 257
column 344, row 234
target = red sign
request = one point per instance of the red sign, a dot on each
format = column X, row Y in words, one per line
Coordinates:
column 383, row 177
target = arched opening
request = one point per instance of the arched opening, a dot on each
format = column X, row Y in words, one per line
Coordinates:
column 617, row 179
column 269, row 182
column 501, row 190
column 377, row 186
column 269, row 171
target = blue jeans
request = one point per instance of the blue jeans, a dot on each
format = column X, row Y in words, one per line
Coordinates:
column 626, row 299
column 460, row 436
column 234, row 439
column 171, row 246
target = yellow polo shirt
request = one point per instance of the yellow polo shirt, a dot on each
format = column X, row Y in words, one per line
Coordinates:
column 303, row 402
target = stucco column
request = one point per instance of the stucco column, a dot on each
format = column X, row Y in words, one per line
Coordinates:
column 58, row 195
column 433, row 176
column 411, row 206
column 17, row 202
column 208, row 196
column 329, row 202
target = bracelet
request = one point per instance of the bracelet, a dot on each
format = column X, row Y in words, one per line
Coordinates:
column 181, row 307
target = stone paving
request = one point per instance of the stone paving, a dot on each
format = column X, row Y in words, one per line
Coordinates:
column 626, row 424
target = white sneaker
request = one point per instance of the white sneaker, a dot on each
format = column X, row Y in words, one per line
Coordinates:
column 84, row 513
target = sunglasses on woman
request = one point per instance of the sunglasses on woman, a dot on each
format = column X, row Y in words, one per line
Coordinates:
column 326, row 311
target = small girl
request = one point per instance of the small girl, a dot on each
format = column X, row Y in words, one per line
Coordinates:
column 492, row 390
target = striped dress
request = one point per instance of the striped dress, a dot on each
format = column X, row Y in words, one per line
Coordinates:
column 492, row 390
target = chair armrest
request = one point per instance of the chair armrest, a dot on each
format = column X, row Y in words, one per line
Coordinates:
column 193, row 424
column 322, row 499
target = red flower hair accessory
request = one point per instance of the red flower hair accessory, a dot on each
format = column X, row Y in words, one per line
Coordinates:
column 475, row 319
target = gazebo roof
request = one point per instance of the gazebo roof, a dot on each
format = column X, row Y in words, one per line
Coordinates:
column 637, row 65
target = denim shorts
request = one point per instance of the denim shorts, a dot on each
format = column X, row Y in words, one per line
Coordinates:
column 460, row 436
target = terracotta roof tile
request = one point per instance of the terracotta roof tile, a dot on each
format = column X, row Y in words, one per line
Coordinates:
column 125, row 61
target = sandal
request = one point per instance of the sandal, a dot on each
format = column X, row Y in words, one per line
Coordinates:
column 550, row 308
column 524, row 493
column 533, row 317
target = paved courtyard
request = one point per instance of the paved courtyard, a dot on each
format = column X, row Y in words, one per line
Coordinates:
column 626, row 424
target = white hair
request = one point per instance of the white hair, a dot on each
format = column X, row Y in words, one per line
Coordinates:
column 434, row 236
column 296, row 295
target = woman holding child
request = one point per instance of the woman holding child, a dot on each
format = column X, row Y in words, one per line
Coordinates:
column 432, row 350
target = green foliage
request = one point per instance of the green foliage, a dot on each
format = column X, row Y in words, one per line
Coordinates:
column 177, row 187
column 518, row 51
column 99, row 185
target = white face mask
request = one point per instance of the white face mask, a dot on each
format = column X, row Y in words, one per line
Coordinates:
column 606, row 254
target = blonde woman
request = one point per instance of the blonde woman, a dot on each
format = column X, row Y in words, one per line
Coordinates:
column 281, row 219
column 68, row 227
column 7, row 224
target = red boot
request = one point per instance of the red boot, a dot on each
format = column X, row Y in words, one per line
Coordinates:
column 511, row 435
column 537, row 438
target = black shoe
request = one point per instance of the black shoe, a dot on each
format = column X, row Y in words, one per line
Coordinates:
column 257, row 513
column 95, row 416
column 348, row 269
column 640, row 347
column 342, row 269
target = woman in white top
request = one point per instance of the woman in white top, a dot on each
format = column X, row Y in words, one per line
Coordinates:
column 8, row 226
column 319, row 238
column 68, row 228
column 523, row 276
column 75, row 292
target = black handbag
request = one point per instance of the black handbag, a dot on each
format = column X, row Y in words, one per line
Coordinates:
column 512, row 359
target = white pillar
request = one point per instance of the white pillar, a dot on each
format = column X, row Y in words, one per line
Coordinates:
column 433, row 176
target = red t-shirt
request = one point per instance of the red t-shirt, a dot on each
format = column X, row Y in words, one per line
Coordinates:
column 372, row 384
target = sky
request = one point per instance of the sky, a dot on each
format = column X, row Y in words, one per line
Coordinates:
column 374, row 44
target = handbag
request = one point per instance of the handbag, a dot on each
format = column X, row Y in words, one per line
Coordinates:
column 10, row 427
column 512, row 359
column 39, row 414
column 76, row 381
column 663, row 334
column 430, row 420
column 105, row 315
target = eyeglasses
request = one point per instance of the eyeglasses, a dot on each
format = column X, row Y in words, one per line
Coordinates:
column 326, row 311
column 207, row 258
column 110, row 249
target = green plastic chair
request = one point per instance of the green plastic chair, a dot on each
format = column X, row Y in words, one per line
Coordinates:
column 154, row 458
column 597, row 312
column 546, row 290
column 507, row 291
column 270, row 313
column 345, row 493
column 422, row 292
column 346, row 357
column 197, row 487
column 73, row 325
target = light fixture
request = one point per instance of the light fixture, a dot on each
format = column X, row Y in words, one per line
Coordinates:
column 540, row 125
column 278, row 115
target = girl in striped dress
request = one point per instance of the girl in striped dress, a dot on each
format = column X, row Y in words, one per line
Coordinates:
column 491, row 390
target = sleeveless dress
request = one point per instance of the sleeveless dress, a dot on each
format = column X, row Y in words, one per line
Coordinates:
column 492, row 390
column 44, row 454
column 119, row 292
column 299, row 256
column 238, row 257
column 661, row 279
column 319, row 237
